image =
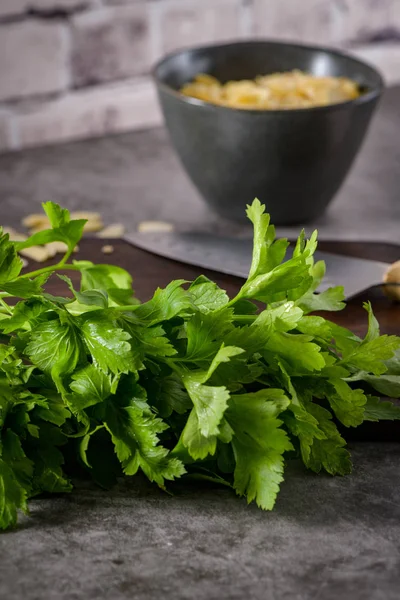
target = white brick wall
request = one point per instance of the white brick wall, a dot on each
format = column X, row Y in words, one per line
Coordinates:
column 17, row 7
column 89, row 113
column 362, row 20
column 191, row 22
column 58, row 4
column 12, row 7
column 308, row 21
column 76, row 68
column 395, row 15
column 6, row 134
column 33, row 59
column 385, row 57
column 110, row 44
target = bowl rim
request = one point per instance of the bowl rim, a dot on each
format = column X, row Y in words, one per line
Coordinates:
column 370, row 95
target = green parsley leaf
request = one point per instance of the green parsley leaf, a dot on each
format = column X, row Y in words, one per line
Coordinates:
column 206, row 295
column 347, row 404
column 90, row 386
column 93, row 298
column 167, row 395
column 16, row 472
column 44, row 451
column 190, row 378
column 10, row 262
column 57, row 216
column 259, row 443
column 166, row 304
column 199, row 445
column 298, row 352
column 147, row 341
column 134, row 431
column 277, row 284
column 371, row 355
column 112, row 280
column 381, row 410
column 53, row 411
column 331, row 299
column 27, row 314
column 55, row 348
column 387, row 385
column 70, row 234
column 209, row 402
column 204, row 332
column 13, row 497
column 107, row 344
column 328, row 453
column 25, row 288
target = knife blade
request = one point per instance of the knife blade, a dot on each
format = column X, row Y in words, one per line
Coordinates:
column 232, row 256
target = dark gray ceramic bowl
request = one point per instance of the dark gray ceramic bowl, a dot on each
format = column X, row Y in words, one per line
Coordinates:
column 293, row 160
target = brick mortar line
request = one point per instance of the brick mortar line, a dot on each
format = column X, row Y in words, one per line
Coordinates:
column 246, row 23
column 15, row 143
column 34, row 101
column 51, row 15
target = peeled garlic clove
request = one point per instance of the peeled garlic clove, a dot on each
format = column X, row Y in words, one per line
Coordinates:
column 15, row 236
column 112, row 231
column 85, row 214
column 94, row 220
column 93, row 226
column 54, row 248
column 37, row 253
column 392, row 275
column 37, row 222
column 34, row 220
column 39, row 227
column 154, row 226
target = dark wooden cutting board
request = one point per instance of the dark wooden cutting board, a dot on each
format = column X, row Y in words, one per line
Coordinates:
column 150, row 271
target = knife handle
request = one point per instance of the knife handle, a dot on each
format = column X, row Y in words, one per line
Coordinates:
column 391, row 279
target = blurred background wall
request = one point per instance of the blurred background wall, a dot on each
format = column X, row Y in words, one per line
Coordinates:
column 77, row 68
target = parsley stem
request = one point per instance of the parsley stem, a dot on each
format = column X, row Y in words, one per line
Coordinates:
column 65, row 257
column 172, row 365
column 129, row 307
column 59, row 266
column 204, row 477
column 7, row 308
column 245, row 318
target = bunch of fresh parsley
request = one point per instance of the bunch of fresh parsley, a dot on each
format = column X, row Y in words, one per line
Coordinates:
column 189, row 382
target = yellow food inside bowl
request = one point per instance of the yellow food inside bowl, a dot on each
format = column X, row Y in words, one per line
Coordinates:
column 293, row 89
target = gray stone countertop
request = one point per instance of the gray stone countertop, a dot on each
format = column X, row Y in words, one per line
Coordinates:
column 328, row 538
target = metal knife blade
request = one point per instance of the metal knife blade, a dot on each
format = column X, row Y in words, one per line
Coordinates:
column 233, row 257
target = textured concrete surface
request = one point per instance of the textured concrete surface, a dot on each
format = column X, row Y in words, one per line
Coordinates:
column 328, row 538
column 136, row 176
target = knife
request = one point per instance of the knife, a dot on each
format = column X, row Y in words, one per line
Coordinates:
column 232, row 256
